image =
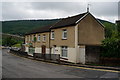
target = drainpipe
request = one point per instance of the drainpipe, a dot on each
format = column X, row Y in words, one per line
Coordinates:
column 76, row 42
column 49, row 43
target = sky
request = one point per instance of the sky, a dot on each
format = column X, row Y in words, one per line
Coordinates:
column 13, row 10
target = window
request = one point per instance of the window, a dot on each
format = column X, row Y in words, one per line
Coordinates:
column 38, row 37
column 64, row 34
column 64, row 51
column 44, row 37
column 29, row 38
column 32, row 36
column 52, row 35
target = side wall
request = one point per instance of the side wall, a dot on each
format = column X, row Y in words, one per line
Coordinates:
column 90, row 31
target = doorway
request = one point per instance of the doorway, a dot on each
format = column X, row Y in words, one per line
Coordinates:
column 43, row 49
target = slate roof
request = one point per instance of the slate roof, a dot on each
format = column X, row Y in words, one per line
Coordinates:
column 40, row 30
column 68, row 21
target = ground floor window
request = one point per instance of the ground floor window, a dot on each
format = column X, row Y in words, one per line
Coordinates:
column 64, row 51
column 31, row 50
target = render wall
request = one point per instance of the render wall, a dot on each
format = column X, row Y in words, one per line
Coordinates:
column 90, row 32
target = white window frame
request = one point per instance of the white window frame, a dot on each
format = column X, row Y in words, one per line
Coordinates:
column 32, row 37
column 63, row 34
column 64, row 51
column 44, row 37
column 38, row 38
column 52, row 35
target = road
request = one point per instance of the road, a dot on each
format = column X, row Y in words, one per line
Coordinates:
column 18, row 67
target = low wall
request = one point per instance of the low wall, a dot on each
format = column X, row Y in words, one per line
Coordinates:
column 54, row 57
column 20, row 53
column 110, row 61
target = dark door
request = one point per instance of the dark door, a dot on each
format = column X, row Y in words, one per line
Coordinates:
column 43, row 49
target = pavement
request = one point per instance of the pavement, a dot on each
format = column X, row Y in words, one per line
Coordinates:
column 19, row 67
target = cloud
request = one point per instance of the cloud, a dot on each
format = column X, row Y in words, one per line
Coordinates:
column 50, row 10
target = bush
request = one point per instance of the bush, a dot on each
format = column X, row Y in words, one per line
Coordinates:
column 111, row 46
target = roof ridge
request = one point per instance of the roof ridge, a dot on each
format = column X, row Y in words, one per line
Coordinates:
column 75, row 15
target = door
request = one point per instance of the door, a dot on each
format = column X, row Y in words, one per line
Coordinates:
column 43, row 49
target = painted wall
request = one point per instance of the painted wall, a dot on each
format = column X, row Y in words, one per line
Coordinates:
column 72, row 55
column 26, row 49
column 56, row 50
column 82, row 54
column 38, row 50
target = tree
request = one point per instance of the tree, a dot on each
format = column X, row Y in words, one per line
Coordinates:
column 118, row 27
column 111, row 45
column 8, row 41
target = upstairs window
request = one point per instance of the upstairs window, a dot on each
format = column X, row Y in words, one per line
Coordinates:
column 38, row 37
column 44, row 37
column 64, row 34
column 32, row 37
column 52, row 35
column 28, row 38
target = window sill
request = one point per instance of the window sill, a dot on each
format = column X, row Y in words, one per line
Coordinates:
column 64, row 39
column 52, row 39
column 65, row 58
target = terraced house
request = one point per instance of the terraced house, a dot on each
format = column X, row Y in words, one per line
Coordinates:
column 75, row 38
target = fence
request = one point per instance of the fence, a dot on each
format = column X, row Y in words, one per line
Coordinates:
column 53, row 57
column 20, row 53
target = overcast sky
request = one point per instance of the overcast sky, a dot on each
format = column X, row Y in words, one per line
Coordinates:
column 51, row 10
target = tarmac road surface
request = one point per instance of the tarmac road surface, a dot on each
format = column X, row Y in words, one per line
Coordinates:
column 18, row 67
